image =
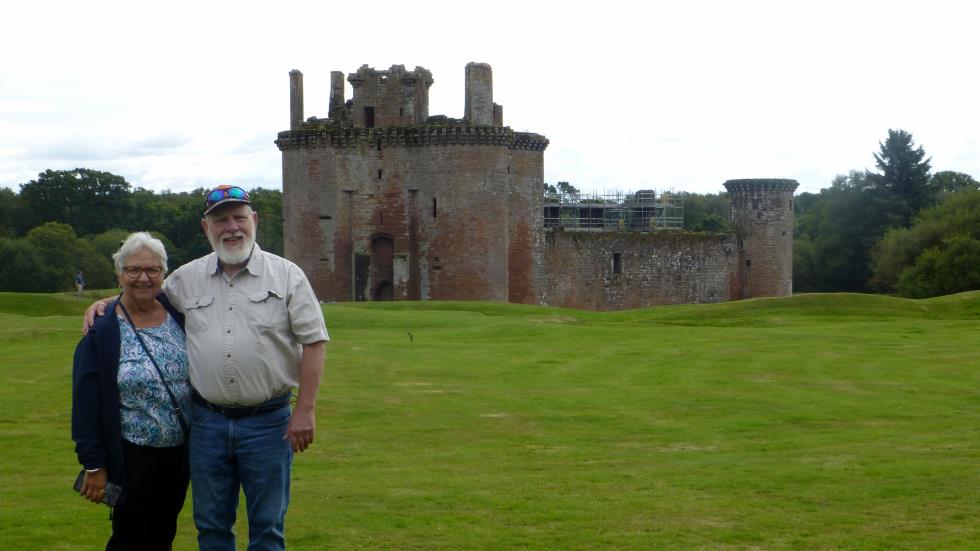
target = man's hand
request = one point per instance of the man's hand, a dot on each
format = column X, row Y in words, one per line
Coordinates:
column 92, row 312
column 93, row 486
column 303, row 423
column 302, row 427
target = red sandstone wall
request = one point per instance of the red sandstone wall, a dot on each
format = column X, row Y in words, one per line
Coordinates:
column 526, row 203
column 456, row 249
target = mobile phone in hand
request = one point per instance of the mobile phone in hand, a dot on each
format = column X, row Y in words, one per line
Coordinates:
column 113, row 492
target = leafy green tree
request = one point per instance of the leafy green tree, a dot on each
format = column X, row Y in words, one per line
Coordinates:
column 706, row 213
column 903, row 182
column 268, row 204
column 901, row 248
column 55, row 244
column 90, row 201
column 20, row 267
column 949, row 181
column 108, row 242
column 836, row 233
column 951, row 268
column 11, row 213
column 570, row 192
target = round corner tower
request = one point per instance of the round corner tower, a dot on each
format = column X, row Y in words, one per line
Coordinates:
column 762, row 213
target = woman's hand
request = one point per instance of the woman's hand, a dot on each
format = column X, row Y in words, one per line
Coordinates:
column 93, row 486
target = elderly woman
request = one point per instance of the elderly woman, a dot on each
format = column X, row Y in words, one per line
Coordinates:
column 125, row 425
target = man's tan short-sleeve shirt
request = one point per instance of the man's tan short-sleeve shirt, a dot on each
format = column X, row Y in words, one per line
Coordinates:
column 245, row 334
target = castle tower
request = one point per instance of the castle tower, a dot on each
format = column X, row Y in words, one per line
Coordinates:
column 382, row 201
column 395, row 97
column 762, row 212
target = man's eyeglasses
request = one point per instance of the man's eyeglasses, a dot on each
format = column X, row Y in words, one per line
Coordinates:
column 222, row 193
column 133, row 272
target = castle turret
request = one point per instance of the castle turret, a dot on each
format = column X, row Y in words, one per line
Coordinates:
column 762, row 212
column 295, row 99
column 336, row 95
column 479, row 94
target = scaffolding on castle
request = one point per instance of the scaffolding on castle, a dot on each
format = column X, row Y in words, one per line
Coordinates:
column 643, row 210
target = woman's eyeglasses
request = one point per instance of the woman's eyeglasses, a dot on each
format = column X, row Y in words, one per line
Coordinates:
column 133, row 272
column 222, row 193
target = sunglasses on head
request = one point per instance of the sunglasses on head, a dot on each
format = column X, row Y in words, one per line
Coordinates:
column 220, row 194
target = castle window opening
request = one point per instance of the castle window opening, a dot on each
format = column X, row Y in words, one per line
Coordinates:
column 379, row 144
column 401, row 111
column 380, row 173
column 369, row 117
column 755, row 203
column 325, row 217
column 617, row 263
column 435, row 211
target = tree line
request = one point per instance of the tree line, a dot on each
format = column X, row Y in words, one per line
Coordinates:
column 69, row 220
column 900, row 229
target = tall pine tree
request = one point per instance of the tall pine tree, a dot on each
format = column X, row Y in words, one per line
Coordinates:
column 903, row 182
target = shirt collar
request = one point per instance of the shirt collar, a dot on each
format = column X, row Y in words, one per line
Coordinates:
column 253, row 265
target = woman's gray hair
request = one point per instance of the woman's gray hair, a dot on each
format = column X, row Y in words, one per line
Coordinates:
column 134, row 244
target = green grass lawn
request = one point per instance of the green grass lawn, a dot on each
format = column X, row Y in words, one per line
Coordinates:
column 810, row 422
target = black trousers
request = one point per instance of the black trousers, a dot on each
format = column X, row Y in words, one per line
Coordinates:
column 156, row 485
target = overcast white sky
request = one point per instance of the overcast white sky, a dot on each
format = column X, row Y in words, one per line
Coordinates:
column 633, row 94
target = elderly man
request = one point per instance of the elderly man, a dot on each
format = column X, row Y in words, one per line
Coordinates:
column 254, row 331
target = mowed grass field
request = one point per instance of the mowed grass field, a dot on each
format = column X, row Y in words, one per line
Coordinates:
column 810, row 422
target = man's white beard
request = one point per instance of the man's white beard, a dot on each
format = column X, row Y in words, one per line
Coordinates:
column 231, row 257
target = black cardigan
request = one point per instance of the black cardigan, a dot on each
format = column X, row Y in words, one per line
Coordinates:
column 95, row 418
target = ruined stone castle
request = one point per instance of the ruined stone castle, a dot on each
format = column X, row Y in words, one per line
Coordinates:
column 384, row 202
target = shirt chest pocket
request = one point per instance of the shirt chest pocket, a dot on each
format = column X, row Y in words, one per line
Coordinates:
column 198, row 313
column 267, row 310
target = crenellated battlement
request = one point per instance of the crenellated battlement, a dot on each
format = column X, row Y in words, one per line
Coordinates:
column 761, row 185
column 312, row 135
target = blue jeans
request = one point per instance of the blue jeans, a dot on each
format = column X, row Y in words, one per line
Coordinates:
column 251, row 453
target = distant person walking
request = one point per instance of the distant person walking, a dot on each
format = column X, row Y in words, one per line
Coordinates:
column 79, row 283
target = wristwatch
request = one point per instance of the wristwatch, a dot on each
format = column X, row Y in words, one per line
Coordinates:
column 93, row 471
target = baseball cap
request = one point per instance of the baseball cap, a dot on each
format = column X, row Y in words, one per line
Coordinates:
column 223, row 195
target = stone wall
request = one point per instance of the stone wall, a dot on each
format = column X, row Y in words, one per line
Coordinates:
column 580, row 269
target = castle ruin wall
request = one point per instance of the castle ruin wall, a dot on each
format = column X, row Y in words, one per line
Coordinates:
column 622, row 270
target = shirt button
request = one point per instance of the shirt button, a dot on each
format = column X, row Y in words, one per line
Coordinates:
column 231, row 307
column 228, row 331
column 231, row 284
column 228, row 356
column 231, row 380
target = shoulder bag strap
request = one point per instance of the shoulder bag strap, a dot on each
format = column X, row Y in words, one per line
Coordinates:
column 180, row 413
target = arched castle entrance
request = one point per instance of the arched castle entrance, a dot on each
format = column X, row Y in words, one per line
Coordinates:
column 382, row 272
